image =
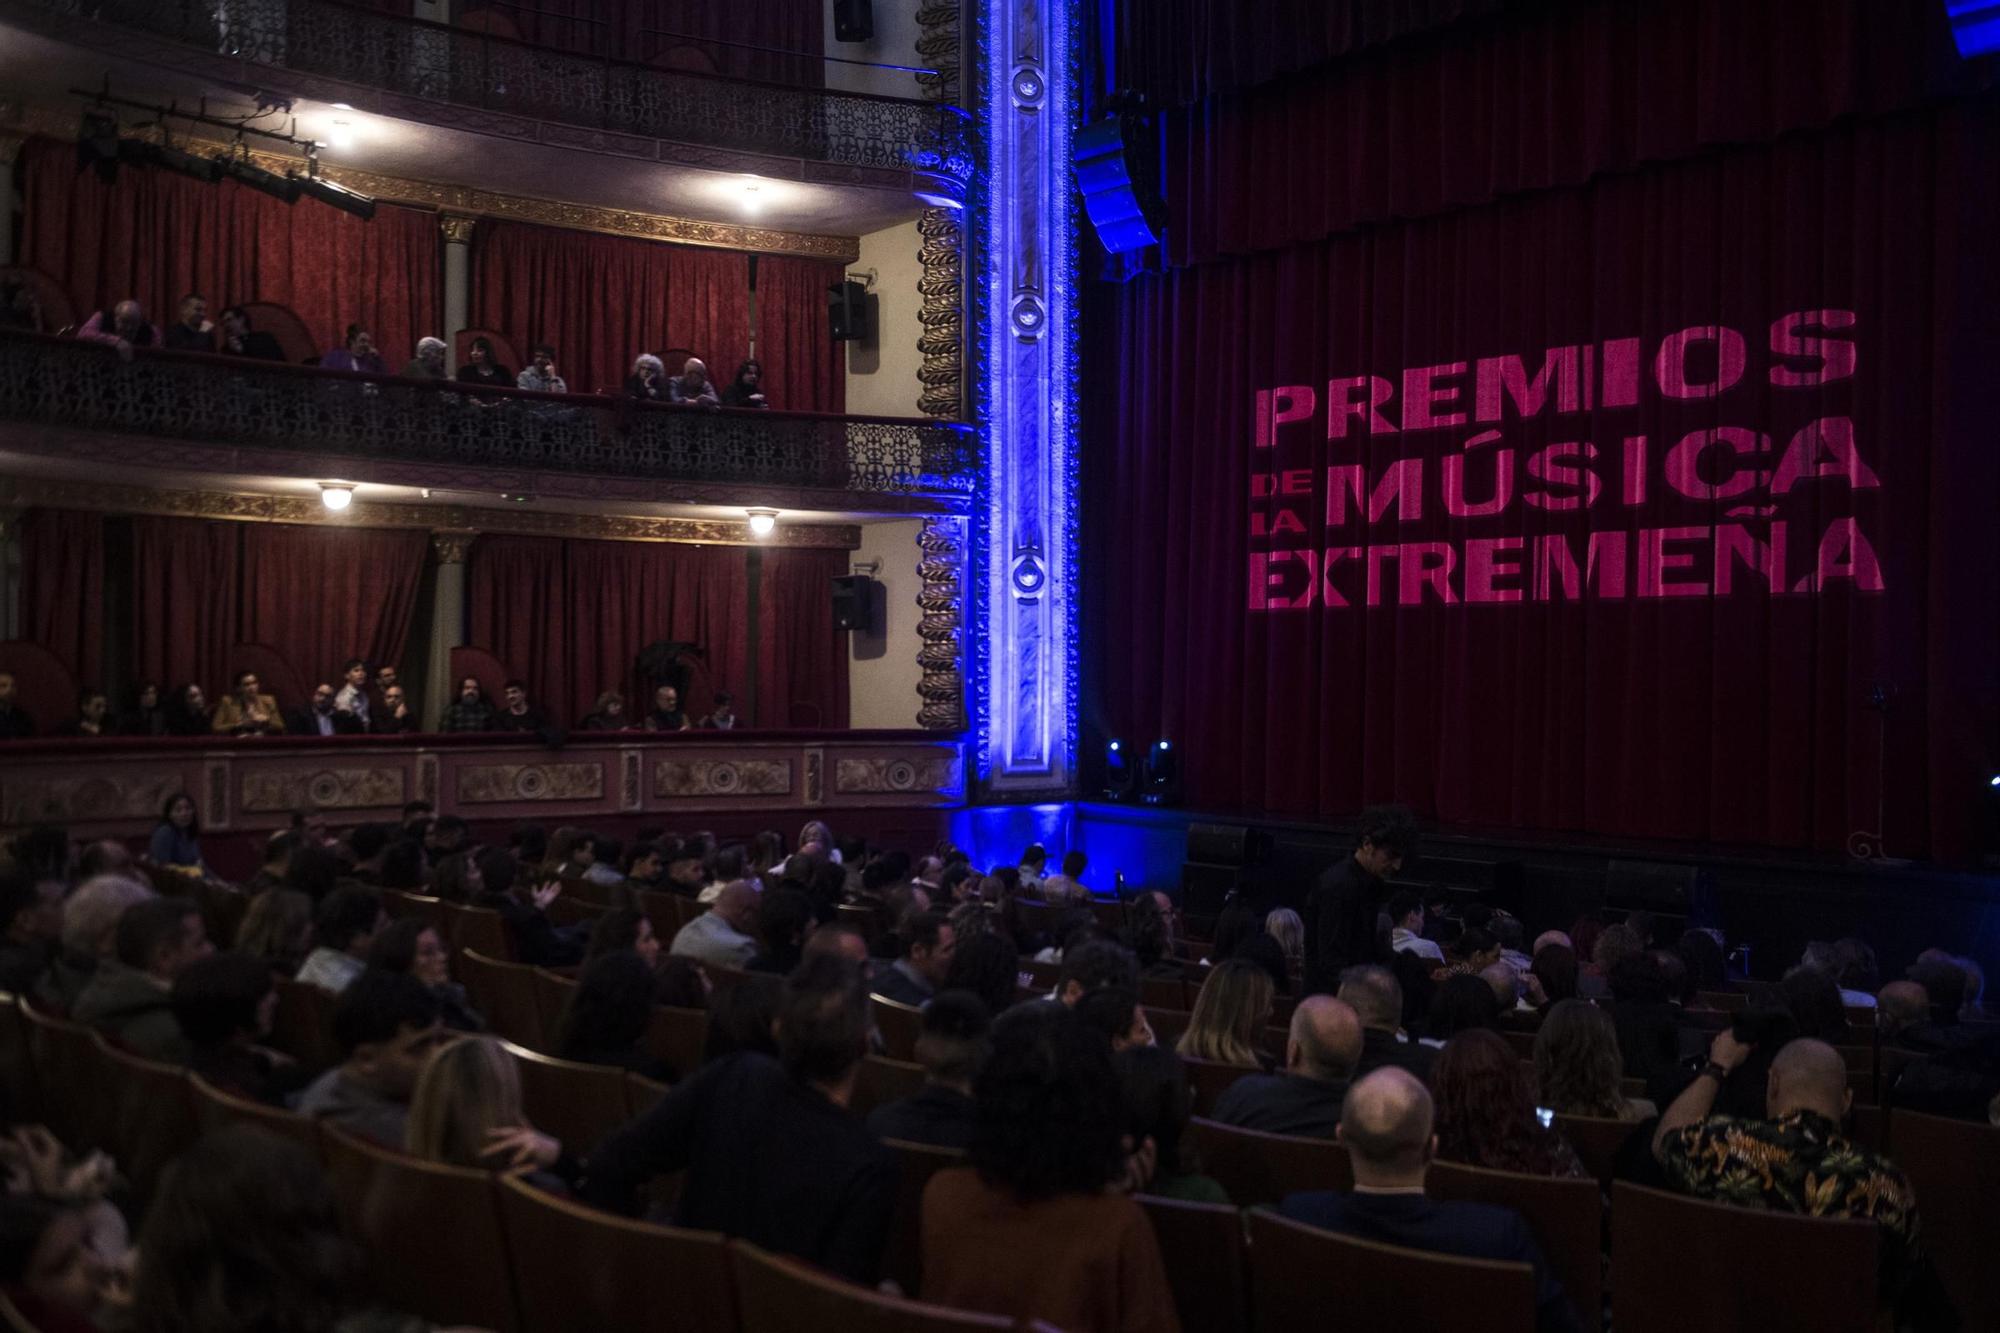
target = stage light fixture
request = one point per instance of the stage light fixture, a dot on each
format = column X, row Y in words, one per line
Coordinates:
column 336, row 495
column 1121, row 773
column 1163, row 775
column 238, row 166
column 763, row 522
column 144, row 152
column 342, row 198
column 1975, row 26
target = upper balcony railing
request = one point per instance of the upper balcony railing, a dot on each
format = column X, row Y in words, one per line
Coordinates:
column 67, row 385
column 467, row 68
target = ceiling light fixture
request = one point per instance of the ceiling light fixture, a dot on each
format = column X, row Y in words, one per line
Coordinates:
column 340, row 135
column 763, row 522
column 336, row 495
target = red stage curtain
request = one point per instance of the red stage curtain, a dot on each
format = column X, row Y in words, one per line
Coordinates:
column 1552, row 96
column 710, row 312
column 62, row 587
column 801, row 658
column 518, row 609
column 185, row 578
column 322, row 595
column 805, row 370
column 156, row 236
column 1675, row 710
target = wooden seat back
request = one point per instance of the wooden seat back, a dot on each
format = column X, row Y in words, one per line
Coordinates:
column 1259, row 1168
column 1811, row 1272
column 552, row 996
column 17, row 1062
column 1209, row 1079
column 899, row 1025
column 881, row 1081
column 151, row 1118
column 303, row 1025
column 400, row 904
column 215, row 1109
column 677, row 1036
column 1954, row 1166
column 479, row 928
column 1168, row 1024
column 1597, row 1140
column 578, row 1103
column 505, row 994
column 1207, row 1265
column 1164, row 993
column 1298, row 1273
column 916, row 1163
column 687, row 1270
column 780, row 1295
column 1566, row 1215
column 69, row 1065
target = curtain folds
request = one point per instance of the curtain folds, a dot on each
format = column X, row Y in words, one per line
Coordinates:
column 62, row 587
column 186, row 603
column 802, row 659
column 804, row 369
column 320, row 596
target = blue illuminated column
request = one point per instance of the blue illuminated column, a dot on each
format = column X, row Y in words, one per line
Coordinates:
column 1025, row 706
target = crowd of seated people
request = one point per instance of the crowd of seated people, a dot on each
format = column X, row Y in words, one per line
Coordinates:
column 365, row 703
column 125, row 325
column 1047, row 1075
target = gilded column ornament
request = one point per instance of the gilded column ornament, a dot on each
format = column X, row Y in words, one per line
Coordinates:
column 456, row 227
column 938, row 49
column 941, row 311
column 941, row 566
column 452, row 545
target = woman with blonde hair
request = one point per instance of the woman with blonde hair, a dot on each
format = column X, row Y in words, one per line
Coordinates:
column 466, row 1111
column 1229, row 1015
column 1578, row 1066
column 1289, row 931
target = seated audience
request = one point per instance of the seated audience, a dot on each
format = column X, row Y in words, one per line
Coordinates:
column 624, row 928
column 31, row 923
column 1486, row 1114
column 321, row 718
column 607, row 714
column 428, row 363
column 353, row 697
column 692, row 385
column 747, row 389
column 1261, row 950
column 1093, row 965
column 240, row 339
column 1813, row 997
column 721, row 935
column 465, row 1111
column 124, row 327
column 49, row 1271
column 1034, row 862
column 176, row 840
column 187, row 712
column 507, row 887
column 539, row 375
column 1376, row 997
column 720, row 717
column 246, row 711
column 224, row 1004
column 146, row 716
column 1462, row 1002
column 1900, row 1006
column 471, row 712
column 784, row 920
column 1158, row 1102
column 1068, row 886
column 1578, row 1066
column 648, row 380
column 951, row 1046
column 1033, row 1228
column 413, row 947
column 245, row 1236
column 386, row 1027
column 483, row 367
column 742, row 1016
column 1284, row 926
column 771, row 1152
column 191, row 330
column 608, row 1013
column 516, row 714
column 89, row 941
column 130, row 998
column 356, row 354
column 314, row 870
column 393, row 715
column 344, row 929
column 93, row 708
column 928, row 944
column 666, row 714
column 1320, row 1054
column 1116, row 1013
column 1554, row 970
column 1230, row 1012
column 1406, row 935
column 1385, row 1125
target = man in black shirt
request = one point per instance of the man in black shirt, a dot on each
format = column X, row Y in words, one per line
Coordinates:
column 515, row 714
column 951, row 1046
column 666, row 714
column 771, row 1152
column 321, row 718
column 392, row 717
column 1376, row 997
column 1320, row 1052
column 239, row 339
column 1340, row 914
column 191, row 331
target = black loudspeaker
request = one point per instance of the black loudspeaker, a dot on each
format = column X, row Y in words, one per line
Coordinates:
column 854, row 598
column 851, row 312
column 1116, row 163
column 853, row 20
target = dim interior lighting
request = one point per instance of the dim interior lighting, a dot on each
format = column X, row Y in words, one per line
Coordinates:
column 1994, row 781
column 340, row 135
column 763, row 522
column 336, row 495
column 1121, row 776
column 1163, row 775
column 342, row 106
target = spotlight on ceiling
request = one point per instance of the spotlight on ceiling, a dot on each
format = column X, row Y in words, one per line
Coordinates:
column 336, row 495
column 239, row 167
column 763, row 522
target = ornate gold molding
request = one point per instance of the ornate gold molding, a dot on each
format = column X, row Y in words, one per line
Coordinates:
column 446, row 521
column 451, row 547
column 457, row 228
column 477, row 203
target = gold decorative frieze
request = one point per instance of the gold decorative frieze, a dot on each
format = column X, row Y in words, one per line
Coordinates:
column 324, row 789
column 456, row 228
column 84, row 800
column 925, row 773
column 722, row 777
column 487, row 784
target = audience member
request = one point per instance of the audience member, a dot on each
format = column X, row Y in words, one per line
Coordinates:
column 721, row 935
column 507, row 887
column 428, row 363
column 1385, row 1125
column 393, row 716
column 1260, row 950
column 692, row 385
column 356, row 354
column 1158, row 1102
column 187, row 713
column 742, row 1016
column 277, row 929
column 721, row 716
column 1068, row 887
column 624, row 928
column 1578, row 1067
column 607, row 714
column 1092, row 966
column 245, row 711
column 89, row 939
column 191, row 330
column 928, row 946
column 1034, row 863
column 1555, row 970
column 539, row 375
column 1462, row 1003
column 146, row 716
column 1283, row 925
column 1900, row 1006
column 471, row 712
column 1486, row 1113
column 516, row 713
column 130, row 998
column 353, row 698
column 49, row 1272
column 608, row 1013
column 482, row 367
column 1376, row 997
column 648, row 380
column 321, row 718
column 176, row 841
column 123, row 327
column 93, row 708
column 1031, row 1228
column 951, row 1046
column 386, row 1027
column 1406, row 935
column 465, row 1111
column 240, row 338
column 1115, row 1012
column 667, row 714
column 314, row 870
column 1320, row 1055
column 771, row 1152
column 784, row 919
column 224, row 1004
column 747, row 389
column 1345, row 901
column 413, row 947
column 1230, row 1012
column 344, row 929
column 1813, row 997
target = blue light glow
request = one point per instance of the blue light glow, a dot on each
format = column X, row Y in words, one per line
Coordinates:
column 1975, row 25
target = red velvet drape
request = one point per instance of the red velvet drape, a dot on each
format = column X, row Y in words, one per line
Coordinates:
column 186, row 613
column 156, row 236
column 62, row 587
column 322, row 595
column 805, row 370
column 544, row 284
column 1692, row 700
column 801, row 658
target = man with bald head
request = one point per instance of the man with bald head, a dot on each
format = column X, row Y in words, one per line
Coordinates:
column 722, row 934
column 123, row 327
column 1377, row 997
column 1900, row 1005
column 1796, row 1161
column 1305, row 1099
column 1385, row 1125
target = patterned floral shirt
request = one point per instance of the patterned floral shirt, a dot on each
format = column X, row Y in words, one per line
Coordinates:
column 1801, row 1163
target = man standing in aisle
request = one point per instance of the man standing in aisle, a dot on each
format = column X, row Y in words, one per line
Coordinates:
column 1341, row 912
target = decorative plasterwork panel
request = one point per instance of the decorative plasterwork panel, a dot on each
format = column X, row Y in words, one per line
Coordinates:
column 325, row 789
column 941, row 774
column 715, row 777
column 492, row 783
column 86, row 800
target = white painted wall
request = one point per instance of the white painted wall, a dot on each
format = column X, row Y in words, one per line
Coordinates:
column 882, row 376
column 894, row 43
column 882, row 672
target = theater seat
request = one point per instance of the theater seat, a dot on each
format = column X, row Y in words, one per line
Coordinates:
column 1597, row 1140
column 677, row 1036
column 780, row 1295
column 899, row 1025
column 1259, row 1168
column 294, row 339
column 1202, row 1247
column 916, row 1163
column 1566, row 1215
column 504, row 993
column 577, row 1103
column 69, row 1069
column 1955, row 1167
column 552, row 997
column 215, row 1109
column 479, row 928
column 303, row 1028
column 400, row 904
column 578, row 1270
column 1209, row 1079
column 1758, row 1270
column 882, row 1080
column 151, row 1118
column 1298, row 1274
column 58, row 310
column 17, row 1065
